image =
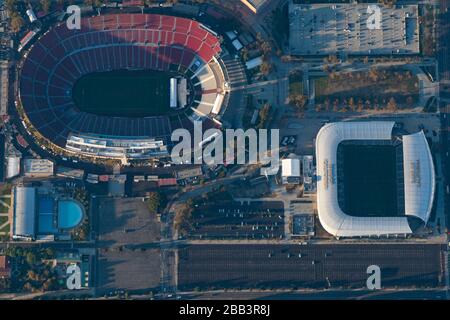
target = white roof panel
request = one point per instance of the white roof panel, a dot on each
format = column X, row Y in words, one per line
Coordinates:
column 419, row 176
column 332, row 218
column 290, row 167
column 24, row 212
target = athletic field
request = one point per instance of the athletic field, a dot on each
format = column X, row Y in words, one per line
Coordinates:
column 123, row 93
column 370, row 180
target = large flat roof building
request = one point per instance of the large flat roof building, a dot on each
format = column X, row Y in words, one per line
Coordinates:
column 24, row 217
column 414, row 182
column 324, row 29
column 38, row 168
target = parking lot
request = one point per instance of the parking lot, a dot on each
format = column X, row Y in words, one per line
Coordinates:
column 233, row 220
column 123, row 225
column 125, row 221
column 137, row 271
column 308, row 266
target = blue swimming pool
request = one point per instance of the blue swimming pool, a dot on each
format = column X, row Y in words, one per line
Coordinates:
column 46, row 215
column 70, row 214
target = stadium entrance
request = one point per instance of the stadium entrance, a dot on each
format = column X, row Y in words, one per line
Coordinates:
column 124, row 93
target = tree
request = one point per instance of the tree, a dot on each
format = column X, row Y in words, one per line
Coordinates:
column 183, row 216
column 17, row 22
column 33, row 276
column 264, row 115
column 94, row 3
column 327, row 104
column 299, row 102
column 373, row 75
column 45, row 4
column 244, row 54
column 49, row 284
column 265, row 68
column 30, row 258
column 410, row 101
column 360, row 105
column 11, row 5
column 49, row 253
column 392, row 105
column 27, row 286
column 351, row 104
column 5, row 284
column 154, row 202
column 387, row 3
column 336, row 105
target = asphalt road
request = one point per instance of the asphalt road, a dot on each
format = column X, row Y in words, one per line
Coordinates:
column 396, row 294
column 444, row 72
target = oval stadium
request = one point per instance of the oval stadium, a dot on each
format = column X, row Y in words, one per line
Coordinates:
column 169, row 66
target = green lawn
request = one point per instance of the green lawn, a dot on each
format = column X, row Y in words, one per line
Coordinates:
column 320, row 84
column 3, row 209
column 5, row 229
column 123, row 93
column 6, row 189
column 3, row 220
column 296, row 87
column 296, row 83
column 6, row 200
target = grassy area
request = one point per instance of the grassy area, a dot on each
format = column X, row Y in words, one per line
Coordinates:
column 3, row 219
column 3, row 209
column 123, row 93
column 296, row 83
column 6, row 200
column 427, row 41
column 5, row 190
column 321, row 84
column 5, row 229
column 371, row 89
column 296, row 87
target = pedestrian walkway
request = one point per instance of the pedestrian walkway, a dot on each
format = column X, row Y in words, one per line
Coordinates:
column 4, row 224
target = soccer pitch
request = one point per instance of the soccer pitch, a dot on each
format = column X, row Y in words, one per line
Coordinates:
column 370, row 180
column 123, row 93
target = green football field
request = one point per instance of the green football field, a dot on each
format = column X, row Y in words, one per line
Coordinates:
column 123, row 93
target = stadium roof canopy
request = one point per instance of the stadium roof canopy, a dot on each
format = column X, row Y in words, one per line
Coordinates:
column 419, row 180
column 419, row 176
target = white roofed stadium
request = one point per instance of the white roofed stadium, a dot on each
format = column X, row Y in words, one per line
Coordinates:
column 413, row 180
